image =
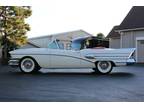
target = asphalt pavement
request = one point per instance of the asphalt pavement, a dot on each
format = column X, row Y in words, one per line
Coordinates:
column 124, row 84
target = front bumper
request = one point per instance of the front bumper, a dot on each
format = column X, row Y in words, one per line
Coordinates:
column 13, row 62
column 130, row 62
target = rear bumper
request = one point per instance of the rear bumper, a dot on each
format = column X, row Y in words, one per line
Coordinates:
column 13, row 62
column 130, row 62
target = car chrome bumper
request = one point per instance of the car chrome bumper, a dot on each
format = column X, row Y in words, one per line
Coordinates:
column 130, row 62
column 13, row 62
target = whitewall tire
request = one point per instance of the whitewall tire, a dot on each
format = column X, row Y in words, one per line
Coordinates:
column 104, row 67
column 28, row 65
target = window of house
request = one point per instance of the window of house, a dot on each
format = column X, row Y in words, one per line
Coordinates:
column 142, row 42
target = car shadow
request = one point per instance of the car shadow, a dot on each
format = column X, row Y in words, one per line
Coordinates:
column 112, row 75
column 121, row 74
column 50, row 73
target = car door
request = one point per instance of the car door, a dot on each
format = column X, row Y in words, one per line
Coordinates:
column 43, row 57
column 72, row 58
column 86, row 60
column 64, row 58
column 75, row 59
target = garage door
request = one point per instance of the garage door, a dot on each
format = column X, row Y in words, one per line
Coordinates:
column 140, row 51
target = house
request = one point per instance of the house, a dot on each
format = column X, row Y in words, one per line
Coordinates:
column 30, row 45
column 130, row 33
column 65, row 38
column 114, row 38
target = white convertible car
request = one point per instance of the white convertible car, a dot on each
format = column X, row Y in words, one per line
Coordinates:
column 101, row 60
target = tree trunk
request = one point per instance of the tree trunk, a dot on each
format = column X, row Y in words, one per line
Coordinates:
column 5, row 51
column 4, row 56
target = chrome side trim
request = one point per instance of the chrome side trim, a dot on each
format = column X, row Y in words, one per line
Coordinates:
column 58, row 55
column 130, row 62
column 13, row 62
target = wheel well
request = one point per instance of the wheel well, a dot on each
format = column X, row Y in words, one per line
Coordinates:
column 109, row 61
column 31, row 58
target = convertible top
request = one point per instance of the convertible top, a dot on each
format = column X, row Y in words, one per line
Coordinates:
column 91, row 42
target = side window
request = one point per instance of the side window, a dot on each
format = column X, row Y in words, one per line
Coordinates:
column 61, row 45
column 53, row 45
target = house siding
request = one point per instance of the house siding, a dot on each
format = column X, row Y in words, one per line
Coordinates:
column 128, row 40
column 114, row 43
column 138, row 34
column 140, row 51
column 42, row 42
column 27, row 46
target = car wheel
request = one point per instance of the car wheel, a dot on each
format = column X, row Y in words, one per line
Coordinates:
column 104, row 67
column 28, row 65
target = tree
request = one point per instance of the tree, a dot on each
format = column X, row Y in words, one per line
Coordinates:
column 13, row 28
column 100, row 36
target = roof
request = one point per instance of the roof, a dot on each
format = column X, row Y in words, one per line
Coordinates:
column 134, row 19
column 69, row 33
column 113, row 33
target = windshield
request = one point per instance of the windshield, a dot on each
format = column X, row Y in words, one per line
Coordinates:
column 77, row 44
column 56, row 44
column 53, row 45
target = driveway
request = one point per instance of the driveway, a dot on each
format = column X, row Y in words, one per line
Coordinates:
column 123, row 84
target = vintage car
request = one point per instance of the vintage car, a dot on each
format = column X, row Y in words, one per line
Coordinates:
column 101, row 60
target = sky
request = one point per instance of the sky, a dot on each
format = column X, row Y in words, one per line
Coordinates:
column 57, row 16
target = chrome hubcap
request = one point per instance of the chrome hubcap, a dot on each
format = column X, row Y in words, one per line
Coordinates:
column 104, row 65
column 27, row 64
